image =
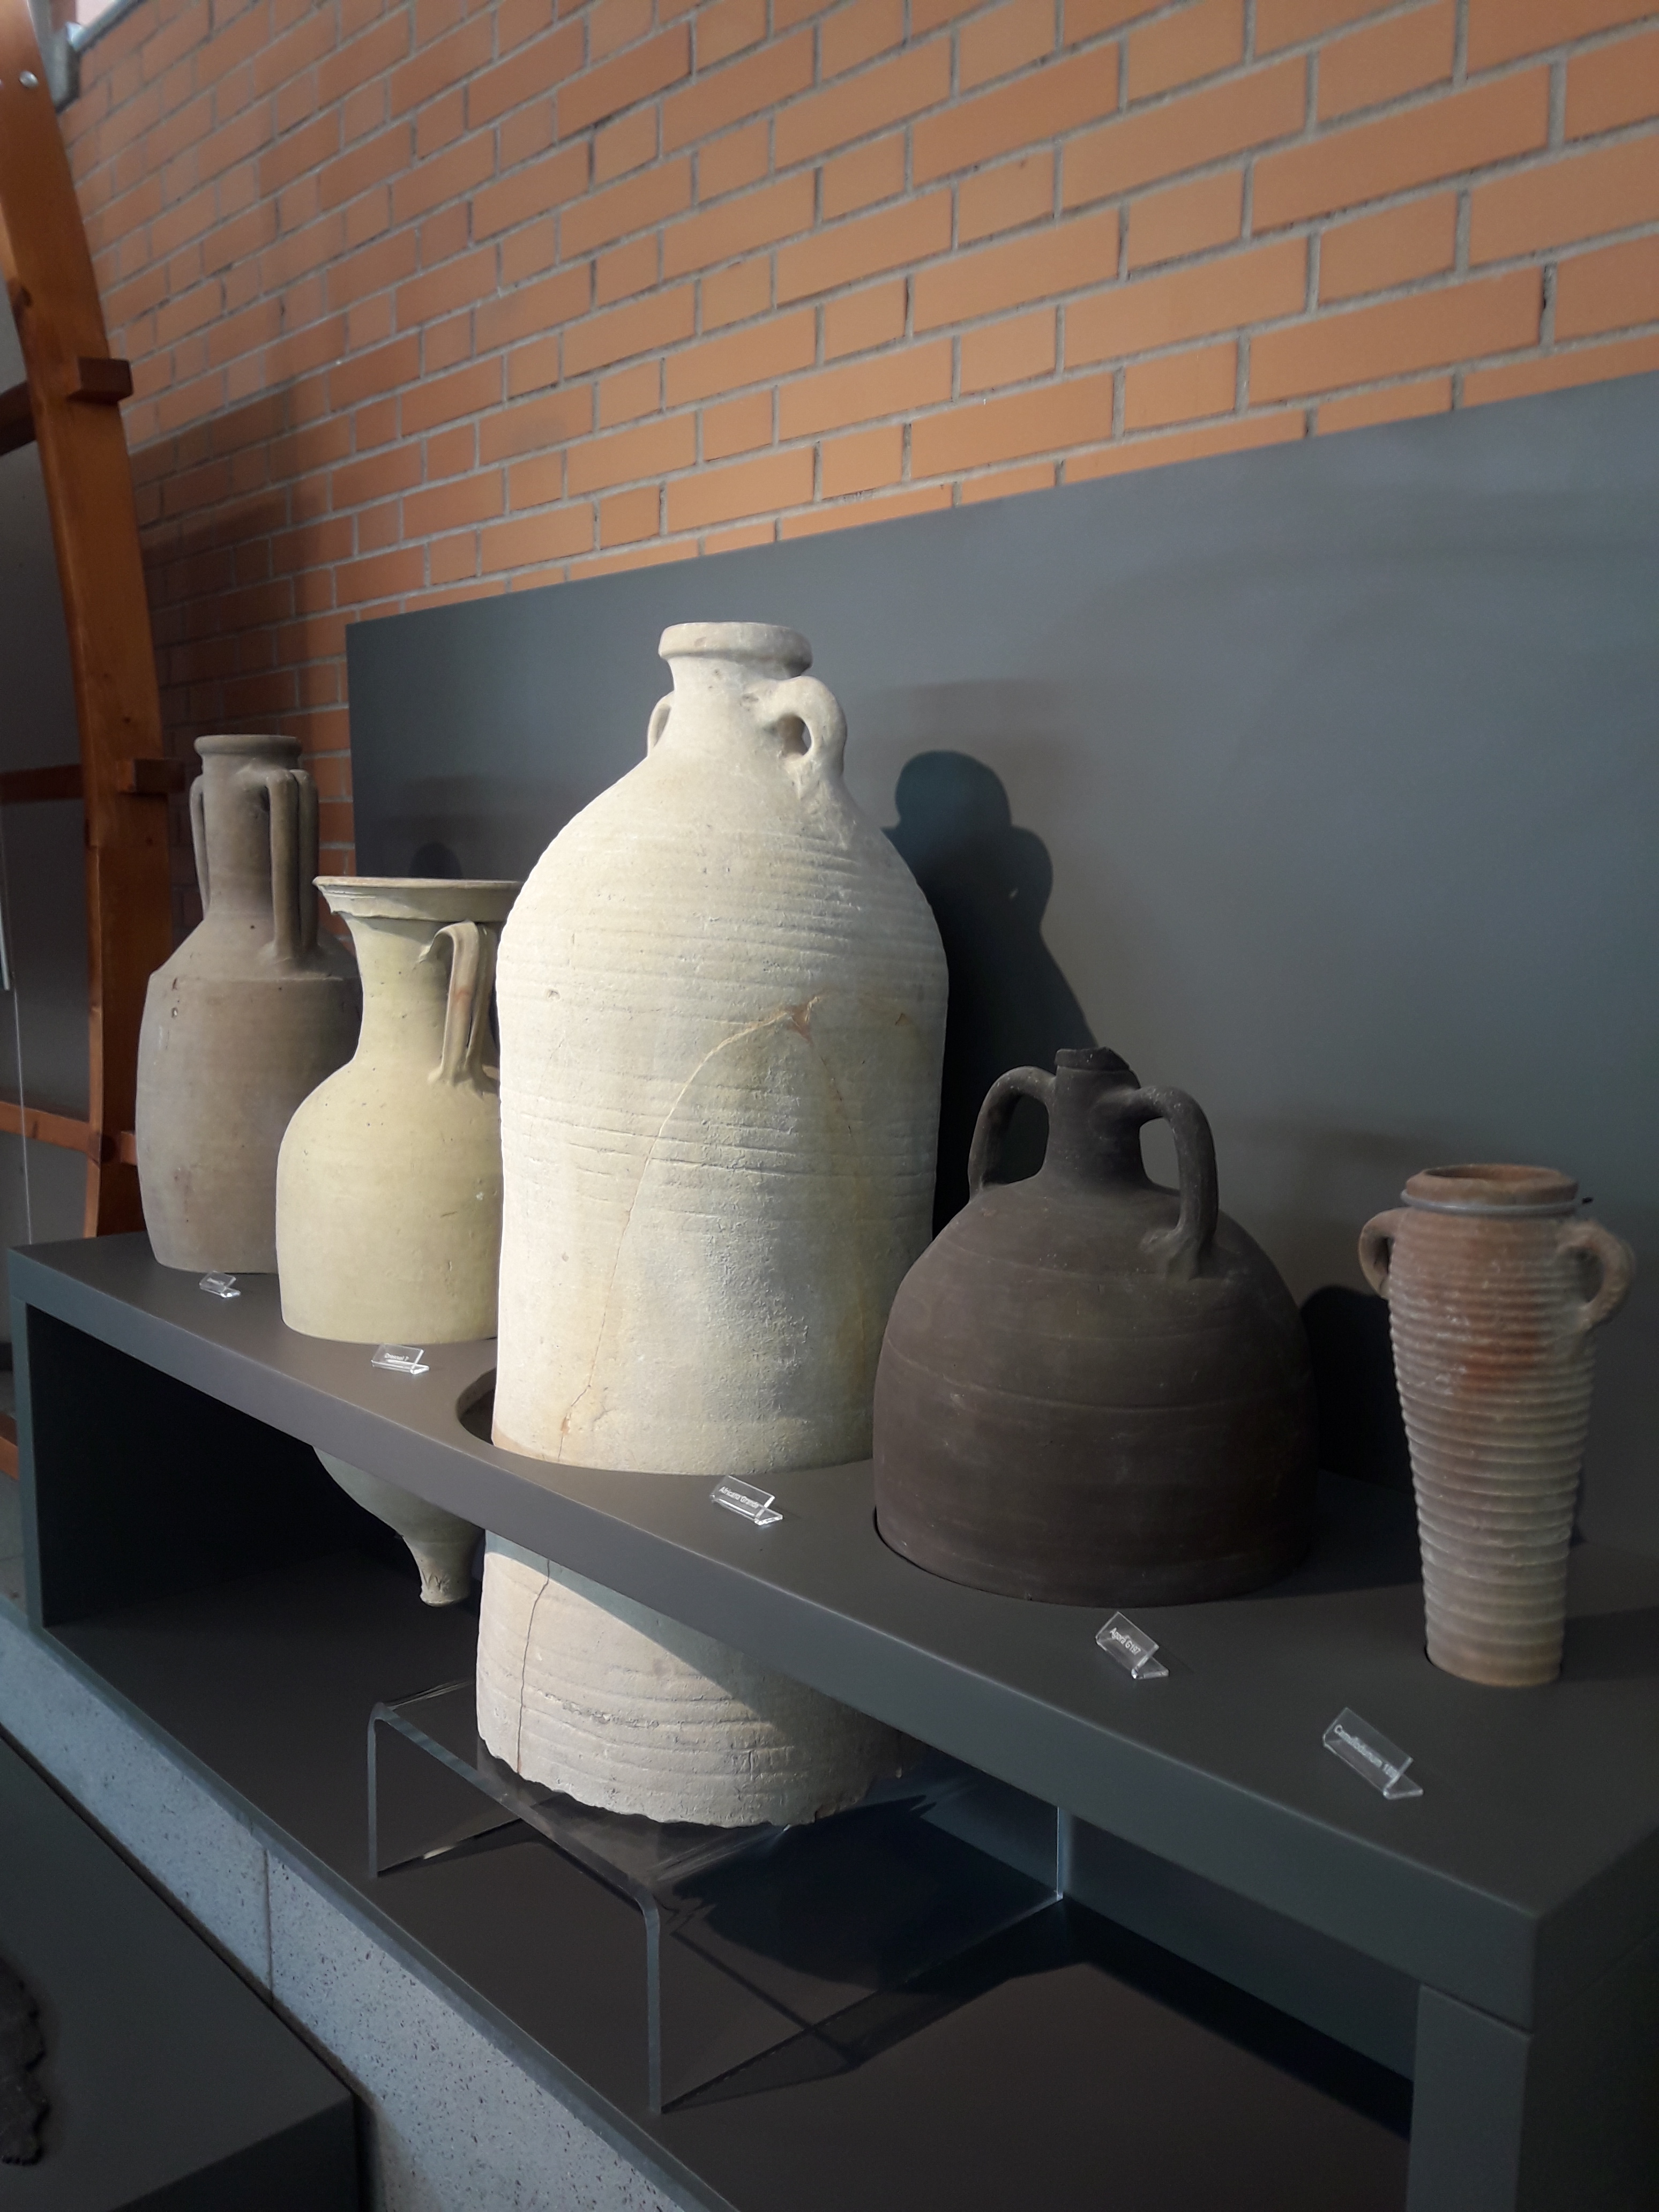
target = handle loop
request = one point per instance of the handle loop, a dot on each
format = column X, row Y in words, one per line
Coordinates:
column 1376, row 1247
column 466, row 1006
column 1618, row 1265
column 816, row 706
column 198, row 835
column 994, row 1115
column 657, row 724
column 1178, row 1250
column 291, row 796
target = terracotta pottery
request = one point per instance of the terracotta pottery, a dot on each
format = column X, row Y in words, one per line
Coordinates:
column 1484, row 1269
column 247, row 1016
column 1094, row 1390
column 722, row 1006
column 389, row 1184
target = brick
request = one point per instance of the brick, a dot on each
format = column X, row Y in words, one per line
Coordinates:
column 861, row 178
column 1009, row 353
column 381, row 476
column 863, row 320
column 447, row 176
column 641, row 327
column 441, row 399
column 738, row 227
column 1504, row 30
column 1160, row 450
column 627, row 517
column 739, row 540
column 738, row 427
column 297, row 152
column 531, row 72
column 536, row 483
column 727, row 27
column 387, row 576
column 1198, row 41
column 1608, row 188
column 1610, row 290
column 871, row 102
column 1186, row 219
column 374, row 55
column 450, row 452
column 1378, row 252
column 614, row 24
column 1614, row 85
column 851, row 36
column 365, row 374
column 624, row 145
column 1002, row 198
column 854, row 514
column 752, row 357
column 737, row 91
column 1447, row 138
column 444, row 65
column 1180, row 387
column 933, row 15
column 1007, row 483
column 522, row 137
column 743, row 488
column 734, row 294
column 630, row 393
column 1153, row 312
column 533, row 309
column 537, row 539
column 1280, row 23
column 1395, row 403
column 866, row 392
column 449, row 561
column 532, row 366
column 1187, row 132
column 638, row 203
column 1373, row 66
column 864, row 247
column 458, row 283
column 371, row 163
column 738, row 158
column 1004, row 40
column 627, row 78
column 1430, row 330
column 520, row 198
column 627, row 270
column 864, row 462
column 453, row 506
column 1089, row 19
column 1015, row 116
column 1556, row 372
column 653, row 449
column 1049, row 420
column 536, row 425
column 1065, row 257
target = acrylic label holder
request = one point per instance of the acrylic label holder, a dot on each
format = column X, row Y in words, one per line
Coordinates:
column 772, row 1955
column 1369, row 1752
column 219, row 1286
column 400, row 1358
column 756, row 1505
column 1133, row 1649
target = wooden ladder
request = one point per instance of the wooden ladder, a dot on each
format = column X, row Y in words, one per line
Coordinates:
column 69, row 406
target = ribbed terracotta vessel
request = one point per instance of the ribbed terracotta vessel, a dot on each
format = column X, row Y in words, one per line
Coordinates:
column 1494, row 1289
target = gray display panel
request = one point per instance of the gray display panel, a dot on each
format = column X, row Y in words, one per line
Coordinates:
column 1321, row 782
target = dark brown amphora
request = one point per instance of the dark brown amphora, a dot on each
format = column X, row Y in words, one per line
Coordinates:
column 1092, row 1389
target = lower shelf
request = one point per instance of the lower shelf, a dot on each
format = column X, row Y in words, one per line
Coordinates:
column 1069, row 2058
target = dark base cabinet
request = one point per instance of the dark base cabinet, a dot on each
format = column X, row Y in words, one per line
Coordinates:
column 1251, row 1951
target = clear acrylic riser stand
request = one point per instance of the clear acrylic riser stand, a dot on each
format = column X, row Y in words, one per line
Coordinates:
column 771, row 1953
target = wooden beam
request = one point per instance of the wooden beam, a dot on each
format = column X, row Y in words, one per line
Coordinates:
column 22, row 786
column 9, row 1445
column 66, row 1133
column 88, row 484
column 151, row 778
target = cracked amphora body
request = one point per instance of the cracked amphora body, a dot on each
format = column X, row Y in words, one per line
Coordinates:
column 722, row 1006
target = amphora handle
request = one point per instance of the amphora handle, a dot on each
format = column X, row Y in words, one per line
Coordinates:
column 1376, row 1247
column 292, row 798
column 1618, row 1265
column 466, row 1008
column 815, row 707
column 198, row 834
column 994, row 1115
column 1178, row 1250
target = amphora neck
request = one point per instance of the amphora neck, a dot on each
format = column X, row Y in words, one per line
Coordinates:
column 1095, row 1121
column 405, row 978
column 726, row 674
column 230, row 806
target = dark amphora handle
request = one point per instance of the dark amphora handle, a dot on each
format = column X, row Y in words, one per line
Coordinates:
column 1177, row 1251
column 994, row 1115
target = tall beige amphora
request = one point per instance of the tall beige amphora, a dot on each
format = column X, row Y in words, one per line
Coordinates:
column 248, row 1016
column 722, row 1009
column 1494, row 1287
column 389, row 1182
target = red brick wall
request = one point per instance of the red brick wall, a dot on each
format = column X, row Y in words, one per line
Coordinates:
column 427, row 298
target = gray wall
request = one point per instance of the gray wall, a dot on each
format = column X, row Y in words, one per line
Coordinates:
column 1322, row 782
